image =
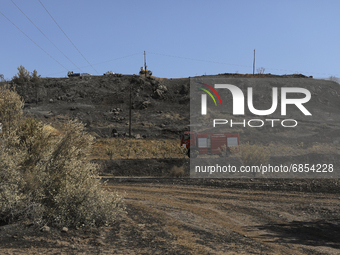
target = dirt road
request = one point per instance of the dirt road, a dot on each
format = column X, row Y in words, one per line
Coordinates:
column 180, row 219
column 187, row 216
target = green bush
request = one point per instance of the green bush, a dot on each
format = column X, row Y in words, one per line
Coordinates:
column 23, row 76
column 34, row 77
column 254, row 155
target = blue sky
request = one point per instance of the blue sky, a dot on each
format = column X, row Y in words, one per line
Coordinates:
column 181, row 38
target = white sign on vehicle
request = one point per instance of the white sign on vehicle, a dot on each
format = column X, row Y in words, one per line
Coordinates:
column 232, row 141
column 202, row 143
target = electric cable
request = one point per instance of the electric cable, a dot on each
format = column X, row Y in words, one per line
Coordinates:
column 67, row 36
column 32, row 40
column 45, row 35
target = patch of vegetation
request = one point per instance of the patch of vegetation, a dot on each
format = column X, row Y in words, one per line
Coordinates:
column 177, row 172
column 47, row 177
column 23, row 76
column 11, row 106
column 126, row 148
column 254, row 155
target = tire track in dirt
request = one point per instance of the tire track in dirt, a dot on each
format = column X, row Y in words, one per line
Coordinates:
column 193, row 213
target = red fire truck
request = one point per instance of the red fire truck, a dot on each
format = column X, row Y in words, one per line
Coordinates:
column 210, row 143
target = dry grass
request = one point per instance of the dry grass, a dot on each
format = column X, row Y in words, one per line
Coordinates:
column 173, row 116
column 126, row 148
column 279, row 149
column 254, row 155
column 301, row 149
column 177, row 172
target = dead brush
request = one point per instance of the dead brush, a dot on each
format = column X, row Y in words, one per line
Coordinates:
column 177, row 172
column 137, row 148
column 109, row 152
column 254, row 155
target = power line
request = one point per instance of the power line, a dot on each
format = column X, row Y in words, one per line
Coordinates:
column 45, row 36
column 67, row 36
column 32, row 40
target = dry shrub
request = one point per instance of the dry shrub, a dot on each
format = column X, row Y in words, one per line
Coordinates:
column 49, row 179
column 138, row 148
column 303, row 149
column 11, row 106
column 177, row 172
column 109, row 152
column 254, row 155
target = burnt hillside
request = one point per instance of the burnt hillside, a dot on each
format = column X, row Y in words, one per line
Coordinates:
column 161, row 107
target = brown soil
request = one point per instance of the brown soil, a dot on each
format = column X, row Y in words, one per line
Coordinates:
column 186, row 216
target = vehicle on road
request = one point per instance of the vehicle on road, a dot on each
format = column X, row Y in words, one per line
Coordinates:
column 210, row 143
column 71, row 74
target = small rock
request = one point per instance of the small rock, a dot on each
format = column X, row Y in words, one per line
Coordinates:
column 45, row 229
column 162, row 88
column 64, row 229
column 145, row 104
column 159, row 93
column 99, row 242
column 51, row 100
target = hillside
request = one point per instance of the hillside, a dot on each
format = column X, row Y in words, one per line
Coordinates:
column 161, row 107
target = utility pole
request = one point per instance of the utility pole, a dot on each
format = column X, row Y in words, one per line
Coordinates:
column 130, row 110
column 254, row 63
column 145, row 63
